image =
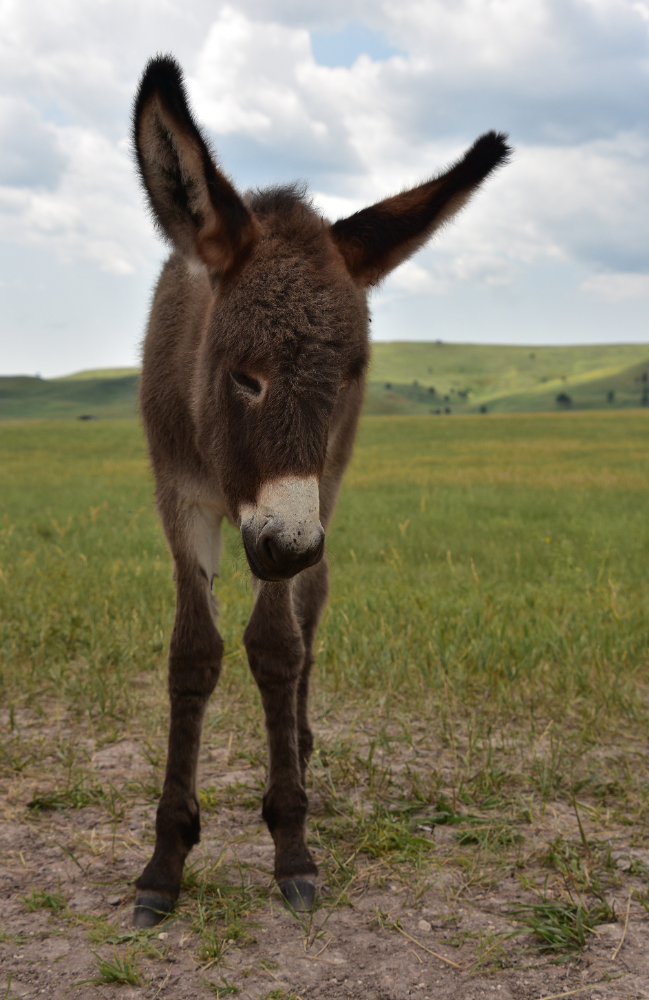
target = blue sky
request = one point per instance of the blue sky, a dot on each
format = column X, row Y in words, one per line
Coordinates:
column 359, row 99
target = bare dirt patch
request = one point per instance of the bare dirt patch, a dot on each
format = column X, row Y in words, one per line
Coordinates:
column 426, row 847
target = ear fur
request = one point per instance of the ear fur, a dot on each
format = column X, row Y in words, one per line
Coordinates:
column 378, row 239
column 192, row 202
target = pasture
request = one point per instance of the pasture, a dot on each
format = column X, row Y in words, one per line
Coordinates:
column 479, row 789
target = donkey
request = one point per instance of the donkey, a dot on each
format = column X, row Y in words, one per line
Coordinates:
column 252, row 382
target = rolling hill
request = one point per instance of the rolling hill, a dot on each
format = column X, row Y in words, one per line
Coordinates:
column 23, row 397
column 467, row 378
column 404, row 378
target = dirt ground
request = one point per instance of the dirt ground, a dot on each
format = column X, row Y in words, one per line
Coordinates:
column 381, row 938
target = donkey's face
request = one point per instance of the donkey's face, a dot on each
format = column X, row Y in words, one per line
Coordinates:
column 286, row 329
column 285, row 338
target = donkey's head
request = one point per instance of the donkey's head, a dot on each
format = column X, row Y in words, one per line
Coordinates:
column 282, row 335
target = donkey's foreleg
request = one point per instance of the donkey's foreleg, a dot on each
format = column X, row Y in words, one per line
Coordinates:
column 309, row 596
column 195, row 654
column 275, row 650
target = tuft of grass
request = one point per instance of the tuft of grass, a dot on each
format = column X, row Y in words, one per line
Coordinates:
column 40, row 899
column 224, row 988
column 120, row 972
column 60, row 799
column 561, row 926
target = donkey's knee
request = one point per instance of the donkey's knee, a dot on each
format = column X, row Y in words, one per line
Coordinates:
column 194, row 663
column 275, row 655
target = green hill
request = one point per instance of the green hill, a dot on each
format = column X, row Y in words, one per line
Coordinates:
column 98, row 373
column 420, row 377
column 22, row 397
column 405, row 378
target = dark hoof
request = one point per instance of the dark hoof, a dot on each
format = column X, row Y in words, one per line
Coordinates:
column 150, row 908
column 299, row 893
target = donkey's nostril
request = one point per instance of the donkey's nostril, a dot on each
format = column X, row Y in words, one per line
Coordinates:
column 270, row 551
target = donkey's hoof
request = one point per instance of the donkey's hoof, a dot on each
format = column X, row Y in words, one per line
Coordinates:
column 299, row 893
column 151, row 908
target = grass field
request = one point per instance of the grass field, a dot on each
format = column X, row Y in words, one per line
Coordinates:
column 482, row 667
column 499, row 544
column 404, row 379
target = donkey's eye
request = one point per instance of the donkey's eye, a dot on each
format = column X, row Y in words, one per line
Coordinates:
column 251, row 385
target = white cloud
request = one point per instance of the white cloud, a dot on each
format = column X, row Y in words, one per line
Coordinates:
column 499, row 35
column 616, row 287
column 245, row 78
column 568, row 80
column 94, row 212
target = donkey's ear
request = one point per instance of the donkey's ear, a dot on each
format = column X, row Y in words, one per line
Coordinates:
column 192, row 202
column 377, row 239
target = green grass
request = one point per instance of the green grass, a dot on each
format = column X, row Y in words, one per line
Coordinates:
column 404, row 379
column 493, row 558
column 39, row 899
column 119, row 972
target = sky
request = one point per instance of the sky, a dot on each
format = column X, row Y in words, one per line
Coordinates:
column 360, row 99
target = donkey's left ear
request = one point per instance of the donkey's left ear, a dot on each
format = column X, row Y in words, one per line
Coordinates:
column 378, row 239
column 193, row 203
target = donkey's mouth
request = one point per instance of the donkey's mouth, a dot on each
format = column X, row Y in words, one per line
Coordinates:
column 272, row 563
column 256, row 570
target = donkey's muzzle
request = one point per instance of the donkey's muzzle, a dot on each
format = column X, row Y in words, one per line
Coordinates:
column 278, row 552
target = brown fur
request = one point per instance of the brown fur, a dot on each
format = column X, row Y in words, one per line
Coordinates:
column 254, row 368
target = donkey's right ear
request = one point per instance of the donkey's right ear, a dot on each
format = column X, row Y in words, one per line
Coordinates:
column 192, row 202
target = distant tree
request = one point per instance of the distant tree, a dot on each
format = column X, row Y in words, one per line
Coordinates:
column 610, row 396
column 532, row 356
column 645, row 376
column 447, row 409
column 431, row 390
column 388, row 385
column 563, row 399
column 645, row 397
column 483, row 409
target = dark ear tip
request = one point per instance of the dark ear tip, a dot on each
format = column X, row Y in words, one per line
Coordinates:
column 161, row 70
column 492, row 146
column 162, row 75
